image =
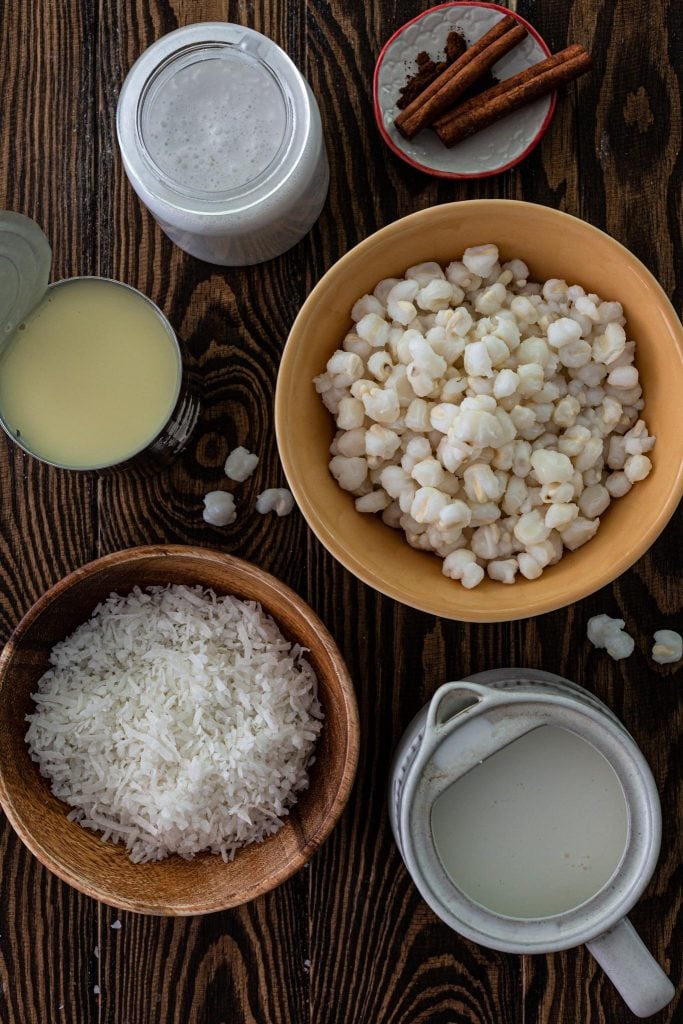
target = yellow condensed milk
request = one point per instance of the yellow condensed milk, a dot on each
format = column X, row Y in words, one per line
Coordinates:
column 91, row 376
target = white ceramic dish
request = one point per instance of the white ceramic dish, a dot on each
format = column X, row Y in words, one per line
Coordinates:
column 491, row 151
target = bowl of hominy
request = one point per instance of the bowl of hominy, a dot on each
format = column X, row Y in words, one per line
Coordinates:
column 478, row 410
column 171, row 682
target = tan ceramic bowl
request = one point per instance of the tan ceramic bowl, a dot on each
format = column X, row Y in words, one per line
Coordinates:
column 553, row 244
column 104, row 870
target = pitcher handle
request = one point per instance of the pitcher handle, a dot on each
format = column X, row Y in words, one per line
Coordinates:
column 443, row 707
column 632, row 969
column 455, row 704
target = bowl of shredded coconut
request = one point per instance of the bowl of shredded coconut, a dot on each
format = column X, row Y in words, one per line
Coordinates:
column 182, row 732
column 487, row 415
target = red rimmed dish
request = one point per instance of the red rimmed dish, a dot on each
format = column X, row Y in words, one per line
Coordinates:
column 491, row 151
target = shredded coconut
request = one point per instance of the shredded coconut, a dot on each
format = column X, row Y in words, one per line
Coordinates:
column 176, row 721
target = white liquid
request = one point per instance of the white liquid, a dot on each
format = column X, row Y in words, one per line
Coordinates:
column 213, row 120
column 217, row 123
column 536, row 829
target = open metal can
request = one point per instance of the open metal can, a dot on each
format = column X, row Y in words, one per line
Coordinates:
column 91, row 371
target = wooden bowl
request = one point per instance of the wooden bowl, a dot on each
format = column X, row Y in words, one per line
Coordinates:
column 103, row 869
column 553, row 244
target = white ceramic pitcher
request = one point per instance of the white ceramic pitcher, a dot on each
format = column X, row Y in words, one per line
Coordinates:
column 466, row 722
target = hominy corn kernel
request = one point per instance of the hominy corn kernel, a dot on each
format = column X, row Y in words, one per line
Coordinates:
column 349, row 473
column 374, row 501
column 503, row 570
column 528, row 566
column 668, row 647
column 560, row 515
column 240, row 464
column 462, row 565
column 428, row 504
column 481, row 259
column 637, row 467
column 275, row 499
column 609, row 633
column 491, row 418
column 594, row 500
column 367, row 304
column 381, row 441
column 428, row 473
column 219, row 508
column 350, row 443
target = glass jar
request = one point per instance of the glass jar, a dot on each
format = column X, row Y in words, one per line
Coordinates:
column 221, row 138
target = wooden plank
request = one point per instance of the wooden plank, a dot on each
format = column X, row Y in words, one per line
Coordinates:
column 247, row 964
column 48, row 163
column 377, row 951
column 618, row 166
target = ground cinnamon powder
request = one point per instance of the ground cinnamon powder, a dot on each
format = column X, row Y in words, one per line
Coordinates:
column 428, row 70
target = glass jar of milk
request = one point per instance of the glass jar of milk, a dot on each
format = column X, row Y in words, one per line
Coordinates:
column 221, row 139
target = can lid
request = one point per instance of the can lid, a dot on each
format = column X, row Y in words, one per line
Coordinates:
column 25, row 261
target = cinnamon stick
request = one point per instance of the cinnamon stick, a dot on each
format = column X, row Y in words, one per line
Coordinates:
column 511, row 94
column 500, row 88
column 453, row 82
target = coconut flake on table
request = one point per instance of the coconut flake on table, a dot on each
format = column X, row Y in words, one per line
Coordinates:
column 176, row 721
column 240, row 464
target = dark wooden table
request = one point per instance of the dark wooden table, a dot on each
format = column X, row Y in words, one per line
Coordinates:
column 348, row 940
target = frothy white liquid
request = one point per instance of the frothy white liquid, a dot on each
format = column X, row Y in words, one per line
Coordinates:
column 217, row 123
column 218, row 105
column 536, row 829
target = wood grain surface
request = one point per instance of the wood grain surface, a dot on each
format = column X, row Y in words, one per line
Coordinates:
column 347, row 940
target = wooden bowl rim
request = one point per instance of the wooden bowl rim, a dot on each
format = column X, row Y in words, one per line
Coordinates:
column 347, row 765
